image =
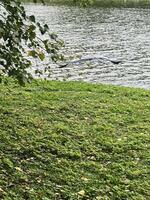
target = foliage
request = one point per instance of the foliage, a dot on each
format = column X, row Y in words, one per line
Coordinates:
column 83, row 2
column 21, row 37
column 73, row 141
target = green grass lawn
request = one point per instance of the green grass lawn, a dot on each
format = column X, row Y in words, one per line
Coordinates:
column 70, row 141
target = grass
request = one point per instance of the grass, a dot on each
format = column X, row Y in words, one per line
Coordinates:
column 69, row 140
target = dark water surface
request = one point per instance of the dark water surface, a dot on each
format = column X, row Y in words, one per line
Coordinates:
column 120, row 33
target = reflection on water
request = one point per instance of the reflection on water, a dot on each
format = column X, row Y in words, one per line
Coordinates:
column 122, row 33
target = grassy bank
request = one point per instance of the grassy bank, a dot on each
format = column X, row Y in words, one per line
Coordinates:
column 74, row 141
column 102, row 3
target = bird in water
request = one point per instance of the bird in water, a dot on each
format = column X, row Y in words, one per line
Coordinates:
column 84, row 59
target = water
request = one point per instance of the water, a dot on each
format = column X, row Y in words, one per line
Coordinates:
column 120, row 33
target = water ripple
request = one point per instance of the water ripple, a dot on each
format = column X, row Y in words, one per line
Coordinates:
column 115, row 33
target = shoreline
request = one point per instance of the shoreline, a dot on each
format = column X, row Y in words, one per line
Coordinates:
column 102, row 3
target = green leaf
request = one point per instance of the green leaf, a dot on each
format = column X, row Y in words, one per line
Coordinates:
column 41, row 56
column 32, row 18
column 32, row 27
column 46, row 28
column 32, row 53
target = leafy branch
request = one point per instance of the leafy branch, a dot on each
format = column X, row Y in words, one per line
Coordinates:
column 19, row 41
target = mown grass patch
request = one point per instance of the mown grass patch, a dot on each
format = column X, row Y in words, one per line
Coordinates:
column 69, row 140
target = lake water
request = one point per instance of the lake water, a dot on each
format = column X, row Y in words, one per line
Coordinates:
column 117, row 33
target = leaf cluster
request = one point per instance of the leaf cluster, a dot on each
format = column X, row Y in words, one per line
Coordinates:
column 21, row 37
